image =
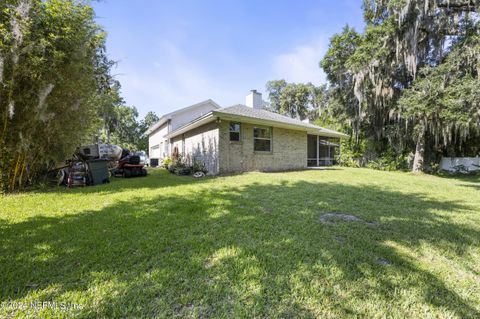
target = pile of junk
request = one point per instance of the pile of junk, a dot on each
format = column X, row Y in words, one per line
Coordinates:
column 94, row 164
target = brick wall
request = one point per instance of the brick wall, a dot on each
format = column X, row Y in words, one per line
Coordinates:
column 289, row 150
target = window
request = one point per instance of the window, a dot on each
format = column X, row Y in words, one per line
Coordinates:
column 234, row 131
column 262, row 139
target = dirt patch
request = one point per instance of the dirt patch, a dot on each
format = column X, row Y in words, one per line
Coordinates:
column 383, row 262
column 329, row 218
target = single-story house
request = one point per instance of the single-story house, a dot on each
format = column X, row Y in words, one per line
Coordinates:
column 248, row 138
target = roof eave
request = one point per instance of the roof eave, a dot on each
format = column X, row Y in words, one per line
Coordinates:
column 155, row 126
column 309, row 130
column 168, row 116
column 252, row 120
column 207, row 118
column 212, row 115
column 333, row 134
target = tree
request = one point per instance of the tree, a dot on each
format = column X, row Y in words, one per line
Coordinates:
column 444, row 101
column 343, row 103
column 124, row 129
column 400, row 39
column 49, row 78
column 149, row 119
column 275, row 89
column 297, row 100
column 318, row 101
column 108, row 101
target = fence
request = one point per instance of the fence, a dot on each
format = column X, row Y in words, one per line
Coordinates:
column 453, row 164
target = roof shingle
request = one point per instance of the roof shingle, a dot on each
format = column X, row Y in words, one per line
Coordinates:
column 243, row 110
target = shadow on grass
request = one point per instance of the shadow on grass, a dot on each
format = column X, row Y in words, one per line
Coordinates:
column 472, row 185
column 472, row 177
column 259, row 250
column 156, row 178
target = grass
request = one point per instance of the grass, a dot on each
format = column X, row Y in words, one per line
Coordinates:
column 250, row 245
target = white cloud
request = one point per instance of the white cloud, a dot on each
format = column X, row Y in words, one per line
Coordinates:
column 175, row 79
column 172, row 82
column 301, row 64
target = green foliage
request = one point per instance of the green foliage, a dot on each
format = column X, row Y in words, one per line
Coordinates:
column 403, row 45
column 342, row 46
column 445, row 100
column 149, row 119
column 342, row 103
column 166, row 162
column 50, row 53
column 126, row 131
column 371, row 153
column 389, row 161
column 119, row 122
column 350, row 154
column 296, row 100
column 179, row 165
column 199, row 166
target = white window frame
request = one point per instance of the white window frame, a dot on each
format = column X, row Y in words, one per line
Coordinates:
column 263, row 138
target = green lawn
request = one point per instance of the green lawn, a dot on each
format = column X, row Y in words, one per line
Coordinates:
column 250, row 245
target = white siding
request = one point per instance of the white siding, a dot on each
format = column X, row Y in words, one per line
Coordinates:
column 157, row 139
column 182, row 118
column 176, row 120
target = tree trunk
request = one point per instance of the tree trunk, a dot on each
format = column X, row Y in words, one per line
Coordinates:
column 419, row 153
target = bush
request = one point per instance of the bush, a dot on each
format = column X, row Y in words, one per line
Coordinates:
column 179, row 165
column 199, row 166
column 350, row 156
column 389, row 162
column 167, row 161
column 182, row 170
column 365, row 154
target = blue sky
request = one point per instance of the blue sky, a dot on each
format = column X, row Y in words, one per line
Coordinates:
column 173, row 54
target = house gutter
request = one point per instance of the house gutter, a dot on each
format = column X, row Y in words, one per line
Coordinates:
column 310, row 130
column 216, row 115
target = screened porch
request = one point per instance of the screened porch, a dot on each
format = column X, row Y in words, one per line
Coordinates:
column 321, row 150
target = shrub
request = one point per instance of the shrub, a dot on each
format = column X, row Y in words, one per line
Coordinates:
column 178, row 164
column 183, row 170
column 167, row 161
column 199, row 166
column 367, row 154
